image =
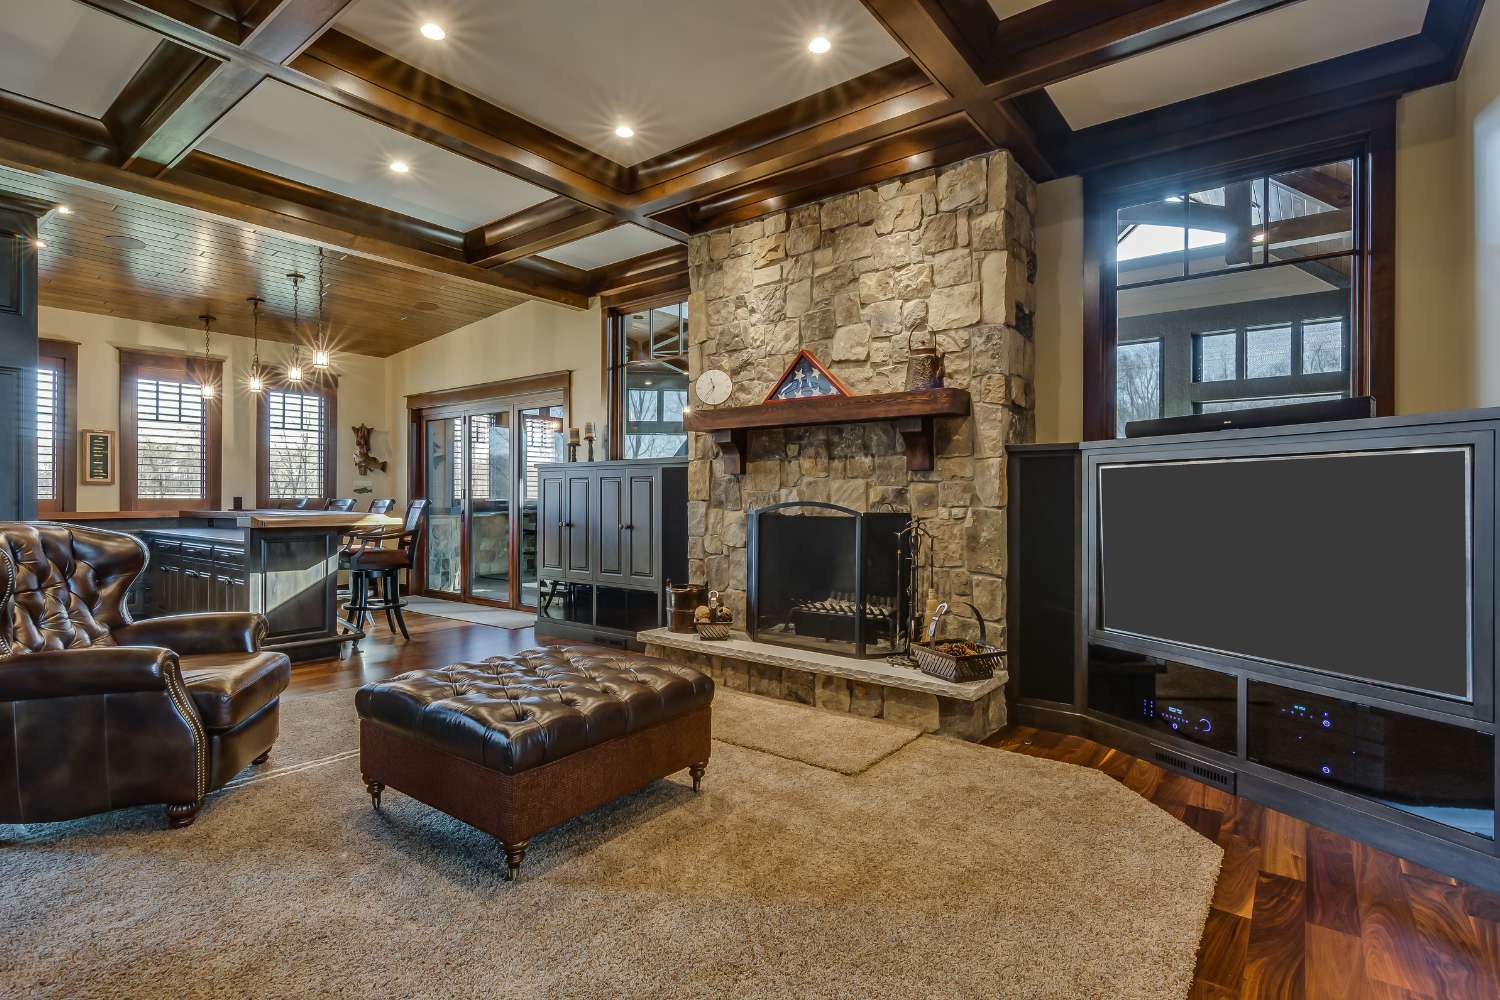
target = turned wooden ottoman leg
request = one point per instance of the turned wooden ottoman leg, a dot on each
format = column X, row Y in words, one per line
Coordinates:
column 374, row 788
column 181, row 814
column 514, row 855
column 696, row 770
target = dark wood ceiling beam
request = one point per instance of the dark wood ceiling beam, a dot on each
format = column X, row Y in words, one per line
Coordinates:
column 1064, row 38
column 534, row 230
column 162, row 117
column 1450, row 25
column 1384, row 72
column 948, row 39
column 647, row 267
column 888, row 87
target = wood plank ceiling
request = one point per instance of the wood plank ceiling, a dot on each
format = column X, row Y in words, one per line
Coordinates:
column 972, row 81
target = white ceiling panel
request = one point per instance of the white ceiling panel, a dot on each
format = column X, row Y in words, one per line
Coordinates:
column 68, row 55
column 608, row 247
column 292, row 134
column 673, row 70
column 1008, row 8
column 1283, row 39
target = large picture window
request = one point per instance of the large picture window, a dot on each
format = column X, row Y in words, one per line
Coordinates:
column 56, row 425
column 170, row 442
column 294, row 456
column 649, row 381
column 1234, row 287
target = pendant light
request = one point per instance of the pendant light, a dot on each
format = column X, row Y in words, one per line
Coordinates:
column 206, row 384
column 255, row 380
column 294, row 368
column 320, row 353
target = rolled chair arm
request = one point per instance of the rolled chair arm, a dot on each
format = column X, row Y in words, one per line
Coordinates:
column 213, row 632
column 93, row 670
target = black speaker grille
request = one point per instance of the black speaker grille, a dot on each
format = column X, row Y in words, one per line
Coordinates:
column 1192, row 767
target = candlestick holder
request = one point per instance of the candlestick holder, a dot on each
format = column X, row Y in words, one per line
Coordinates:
column 572, row 451
column 590, row 439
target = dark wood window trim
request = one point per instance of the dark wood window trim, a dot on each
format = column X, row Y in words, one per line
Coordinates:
column 134, row 364
column 63, row 356
column 329, row 391
column 484, row 392
column 612, row 347
column 1366, row 134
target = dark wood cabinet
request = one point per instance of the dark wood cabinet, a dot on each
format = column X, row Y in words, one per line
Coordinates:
column 611, row 535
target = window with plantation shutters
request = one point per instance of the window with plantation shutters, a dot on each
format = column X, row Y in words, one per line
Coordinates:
column 295, row 440
column 56, row 387
column 170, row 445
column 49, row 392
column 169, row 434
column 296, row 456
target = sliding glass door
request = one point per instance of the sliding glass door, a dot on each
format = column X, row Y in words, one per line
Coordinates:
column 479, row 474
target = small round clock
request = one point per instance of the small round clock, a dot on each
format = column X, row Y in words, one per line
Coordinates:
column 714, row 386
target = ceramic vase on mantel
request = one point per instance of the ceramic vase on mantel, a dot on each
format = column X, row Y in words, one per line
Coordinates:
column 924, row 369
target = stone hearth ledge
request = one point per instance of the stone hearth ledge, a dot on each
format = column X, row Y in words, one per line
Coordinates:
column 869, row 688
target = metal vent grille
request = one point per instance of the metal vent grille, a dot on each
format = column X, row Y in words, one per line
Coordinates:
column 1212, row 774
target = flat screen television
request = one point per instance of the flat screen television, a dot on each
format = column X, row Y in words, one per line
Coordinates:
column 1356, row 564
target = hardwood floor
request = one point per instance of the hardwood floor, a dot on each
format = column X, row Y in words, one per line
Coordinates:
column 1297, row 912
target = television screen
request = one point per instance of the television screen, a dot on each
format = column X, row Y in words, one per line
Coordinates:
column 1354, row 564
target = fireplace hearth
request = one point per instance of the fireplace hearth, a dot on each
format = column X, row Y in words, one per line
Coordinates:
column 827, row 578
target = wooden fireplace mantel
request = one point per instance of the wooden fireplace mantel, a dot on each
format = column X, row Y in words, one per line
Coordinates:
column 912, row 412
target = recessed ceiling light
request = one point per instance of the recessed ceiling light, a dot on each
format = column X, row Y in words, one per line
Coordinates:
column 399, row 167
column 64, row 210
column 434, row 31
column 122, row 242
column 40, row 244
column 624, row 131
column 819, row 45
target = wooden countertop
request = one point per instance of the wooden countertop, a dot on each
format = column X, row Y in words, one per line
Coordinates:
column 241, row 518
column 295, row 518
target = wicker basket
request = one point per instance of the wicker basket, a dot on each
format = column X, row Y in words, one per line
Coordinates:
column 714, row 631
column 977, row 667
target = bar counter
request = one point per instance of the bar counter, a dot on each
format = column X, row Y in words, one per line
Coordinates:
column 283, row 564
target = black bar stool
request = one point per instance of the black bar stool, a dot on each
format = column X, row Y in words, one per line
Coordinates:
column 375, row 571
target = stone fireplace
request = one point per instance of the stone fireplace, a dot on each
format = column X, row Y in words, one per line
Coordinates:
column 942, row 257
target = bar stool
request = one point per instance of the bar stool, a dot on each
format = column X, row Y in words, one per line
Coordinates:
column 375, row 571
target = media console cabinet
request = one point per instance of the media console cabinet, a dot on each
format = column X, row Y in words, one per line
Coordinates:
column 610, row 537
column 1303, row 615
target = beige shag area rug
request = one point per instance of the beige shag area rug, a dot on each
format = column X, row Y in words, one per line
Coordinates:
column 945, row 870
column 847, row 744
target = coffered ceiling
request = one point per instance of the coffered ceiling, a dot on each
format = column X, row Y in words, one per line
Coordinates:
column 674, row 72
column 286, row 116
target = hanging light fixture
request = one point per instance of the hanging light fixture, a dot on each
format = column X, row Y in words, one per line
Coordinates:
column 206, row 384
column 255, row 380
column 320, row 352
column 294, row 367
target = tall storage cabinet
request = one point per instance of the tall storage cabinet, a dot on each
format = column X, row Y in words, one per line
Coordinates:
column 611, row 535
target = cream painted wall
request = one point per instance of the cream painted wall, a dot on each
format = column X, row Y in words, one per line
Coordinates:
column 361, row 397
column 1447, row 255
column 531, row 339
column 1059, row 310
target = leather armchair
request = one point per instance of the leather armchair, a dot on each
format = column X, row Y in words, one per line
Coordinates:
column 98, row 712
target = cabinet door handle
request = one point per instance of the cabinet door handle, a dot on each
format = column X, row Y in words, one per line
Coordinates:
column 628, row 527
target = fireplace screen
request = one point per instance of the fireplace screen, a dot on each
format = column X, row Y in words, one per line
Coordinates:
column 827, row 578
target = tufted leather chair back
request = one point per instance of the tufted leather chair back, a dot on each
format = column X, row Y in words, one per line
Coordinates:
column 63, row 586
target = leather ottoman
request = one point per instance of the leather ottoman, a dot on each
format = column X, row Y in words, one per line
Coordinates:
column 519, row 743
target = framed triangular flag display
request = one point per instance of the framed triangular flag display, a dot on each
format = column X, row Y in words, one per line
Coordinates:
column 806, row 378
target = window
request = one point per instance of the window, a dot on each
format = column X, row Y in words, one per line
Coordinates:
column 1258, row 281
column 1138, row 375
column 295, row 443
column 56, row 425
column 649, row 380
column 169, row 452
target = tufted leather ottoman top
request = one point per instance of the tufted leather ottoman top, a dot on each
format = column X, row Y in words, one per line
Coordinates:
column 515, row 712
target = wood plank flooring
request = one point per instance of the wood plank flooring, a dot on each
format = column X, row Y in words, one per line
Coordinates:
column 1298, row 912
